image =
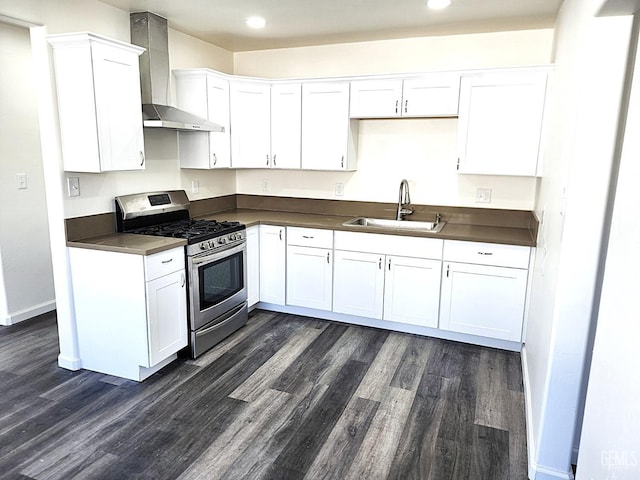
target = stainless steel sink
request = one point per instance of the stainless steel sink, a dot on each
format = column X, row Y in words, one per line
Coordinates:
column 386, row 224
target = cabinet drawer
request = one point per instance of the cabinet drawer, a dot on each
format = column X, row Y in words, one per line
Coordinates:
column 514, row 256
column 163, row 263
column 401, row 245
column 310, row 237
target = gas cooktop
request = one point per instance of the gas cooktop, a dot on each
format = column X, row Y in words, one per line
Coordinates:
column 191, row 230
column 166, row 214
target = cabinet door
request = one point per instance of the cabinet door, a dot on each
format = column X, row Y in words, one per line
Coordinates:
column 375, row 98
column 325, row 126
column 434, row 95
column 118, row 108
column 218, row 112
column 309, row 277
column 253, row 265
column 412, row 291
column 166, row 316
column 286, row 118
column 250, row 121
column 483, row 300
column 272, row 264
column 207, row 96
column 358, row 283
column 500, row 123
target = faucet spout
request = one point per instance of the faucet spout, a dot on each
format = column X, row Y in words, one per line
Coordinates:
column 404, row 201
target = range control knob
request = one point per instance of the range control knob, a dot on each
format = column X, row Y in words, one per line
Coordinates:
column 233, row 236
column 222, row 240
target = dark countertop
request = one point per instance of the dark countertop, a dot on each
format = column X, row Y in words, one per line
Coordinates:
column 97, row 231
column 451, row 231
column 129, row 243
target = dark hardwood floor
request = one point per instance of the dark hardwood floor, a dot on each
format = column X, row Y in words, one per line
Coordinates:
column 286, row 397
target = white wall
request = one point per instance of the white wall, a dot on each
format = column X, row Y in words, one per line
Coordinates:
column 610, row 442
column 590, row 58
column 27, row 278
column 423, row 151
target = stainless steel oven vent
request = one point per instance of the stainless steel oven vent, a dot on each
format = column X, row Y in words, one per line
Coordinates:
column 150, row 31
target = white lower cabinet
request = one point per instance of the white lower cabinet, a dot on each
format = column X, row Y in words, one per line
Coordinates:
column 485, row 298
column 411, row 291
column 131, row 310
column 253, row 265
column 273, row 271
column 385, row 285
column 309, row 277
column 358, row 283
column 309, row 268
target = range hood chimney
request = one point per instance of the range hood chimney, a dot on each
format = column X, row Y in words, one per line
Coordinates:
column 150, row 31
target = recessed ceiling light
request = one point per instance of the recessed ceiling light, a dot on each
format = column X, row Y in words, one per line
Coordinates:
column 438, row 4
column 255, row 22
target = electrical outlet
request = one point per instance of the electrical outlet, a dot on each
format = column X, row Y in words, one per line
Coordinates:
column 483, row 195
column 339, row 189
column 21, row 179
column 73, row 186
column 265, row 185
column 195, row 186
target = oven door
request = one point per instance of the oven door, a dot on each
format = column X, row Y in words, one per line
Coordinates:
column 217, row 283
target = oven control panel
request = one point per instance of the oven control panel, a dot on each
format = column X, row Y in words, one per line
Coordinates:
column 222, row 241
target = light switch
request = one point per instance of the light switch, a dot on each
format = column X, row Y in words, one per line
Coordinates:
column 73, row 186
column 21, row 178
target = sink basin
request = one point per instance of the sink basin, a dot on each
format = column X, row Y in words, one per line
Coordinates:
column 386, row 224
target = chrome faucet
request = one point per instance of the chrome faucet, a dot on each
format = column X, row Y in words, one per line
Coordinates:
column 404, row 201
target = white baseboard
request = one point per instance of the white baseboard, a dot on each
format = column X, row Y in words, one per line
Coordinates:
column 70, row 363
column 535, row 471
column 30, row 312
column 395, row 326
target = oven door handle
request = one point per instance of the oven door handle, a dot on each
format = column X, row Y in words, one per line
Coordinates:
column 218, row 254
column 227, row 317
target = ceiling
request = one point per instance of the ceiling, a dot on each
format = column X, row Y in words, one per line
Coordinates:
column 292, row 23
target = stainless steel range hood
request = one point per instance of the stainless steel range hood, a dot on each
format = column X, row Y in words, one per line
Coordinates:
column 150, row 31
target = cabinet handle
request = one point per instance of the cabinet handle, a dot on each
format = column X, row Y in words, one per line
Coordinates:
column 267, row 160
column 458, row 164
column 342, row 162
column 280, row 234
column 328, row 258
column 306, row 236
column 389, row 264
column 485, row 253
column 448, row 271
column 397, row 106
column 183, row 280
column 406, row 104
column 141, row 158
column 215, row 159
column 380, row 263
column 274, row 160
column 167, row 261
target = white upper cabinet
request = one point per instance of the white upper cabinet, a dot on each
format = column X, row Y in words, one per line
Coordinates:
column 376, row 98
column 250, row 124
column 207, row 95
column 432, row 95
column 286, row 112
column 329, row 137
column 500, row 122
column 99, row 103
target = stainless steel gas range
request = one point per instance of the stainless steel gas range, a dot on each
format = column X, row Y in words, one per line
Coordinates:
column 215, row 256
